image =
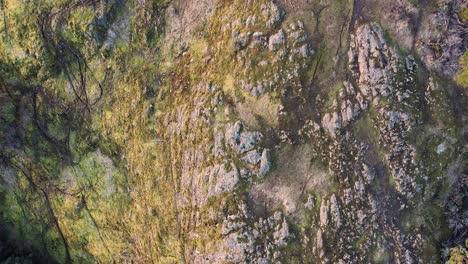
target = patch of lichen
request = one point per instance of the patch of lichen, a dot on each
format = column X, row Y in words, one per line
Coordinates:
column 458, row 254
column 88, row 200
column 45, row 176
column 32, row 31
column 292, row 252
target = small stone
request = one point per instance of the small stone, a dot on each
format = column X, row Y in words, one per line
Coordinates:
column 441, row 148
column 304, row 50
column 264, row 163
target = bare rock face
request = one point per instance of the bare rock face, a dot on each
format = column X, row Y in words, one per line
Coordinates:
column 244, row 243
column 252, row 157
column 222, row 179
column 184, row 16
column 332, row 122
column 377, row 66
column 373, row 62
column 345, row 108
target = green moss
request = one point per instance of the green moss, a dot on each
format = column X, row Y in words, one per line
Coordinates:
column 365, row 127
column 7, row 111
column 464, row 14
column 292, row 253
column 462, row 77
column 362, row 239
column 415, row 3
column 318, row 200
column 333, row 94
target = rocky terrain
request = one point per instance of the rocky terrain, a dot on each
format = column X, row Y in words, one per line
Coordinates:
column 245, row 131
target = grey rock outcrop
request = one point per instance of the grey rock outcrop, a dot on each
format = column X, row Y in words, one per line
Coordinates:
column 372, row 62
column 239, row 140
column 376, row 67
column 277, row 40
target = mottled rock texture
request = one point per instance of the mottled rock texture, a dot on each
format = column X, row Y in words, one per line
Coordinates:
column 244, row 131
